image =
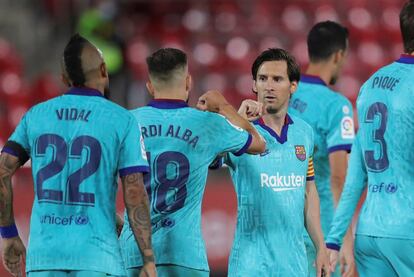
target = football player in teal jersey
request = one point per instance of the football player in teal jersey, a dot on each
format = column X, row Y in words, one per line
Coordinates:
column 330, row 115
column 181, row 142
column 276, row 193
column 382, row 163
column 77, row 143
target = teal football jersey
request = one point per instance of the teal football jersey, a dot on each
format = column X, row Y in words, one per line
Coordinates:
column 330, row 115
column 270, row 190
column 181, row 142
column 383, row 157
column 78, row 143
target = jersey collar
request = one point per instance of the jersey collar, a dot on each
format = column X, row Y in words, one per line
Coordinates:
column 283, row 135
column 404, row 58
column 168, row 103
column 84, row 91
column 312, row 79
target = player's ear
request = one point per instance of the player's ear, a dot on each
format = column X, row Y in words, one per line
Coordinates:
column 188, row 82
column 65, row 80
column 103, row 70
column 254, row 88
column 150, row 88
column 293, row 86
column 338, row 56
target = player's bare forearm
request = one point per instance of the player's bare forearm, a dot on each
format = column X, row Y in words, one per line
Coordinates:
column 312, row 215
column 348, row 241
column 258, row 144
column 8, row 165
column 338, row 162
column 336, row 187
column 137, row 206
column 313, row 226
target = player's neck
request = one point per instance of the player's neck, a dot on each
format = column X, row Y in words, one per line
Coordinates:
column 322, row 70
column 275, row 121
column 96, row 86
column 171, row 94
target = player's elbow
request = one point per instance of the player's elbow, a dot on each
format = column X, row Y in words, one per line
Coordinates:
column 257, row 146
column 338, row 180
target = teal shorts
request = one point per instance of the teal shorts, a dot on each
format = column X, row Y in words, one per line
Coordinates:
column 311, row 254
column 384, row 257
column 172, row 271
column 67, row 273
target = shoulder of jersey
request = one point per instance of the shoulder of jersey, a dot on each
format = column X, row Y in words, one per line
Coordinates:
column 114, row 108
column 193, row 111
column 305, row 87
column 323, row 93
column 381, row 70
column 140, row 109
column 301, row 124
column 340, row 99
column 43, row 104
column 146, row 108
column 333, row 99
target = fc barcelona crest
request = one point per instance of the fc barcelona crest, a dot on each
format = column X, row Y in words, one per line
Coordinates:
column 300, row 152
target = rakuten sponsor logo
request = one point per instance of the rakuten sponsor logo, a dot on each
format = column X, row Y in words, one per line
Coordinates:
column 282, row 182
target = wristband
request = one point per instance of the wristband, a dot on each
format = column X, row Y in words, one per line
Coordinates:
column 10, row 231
column 333, row 246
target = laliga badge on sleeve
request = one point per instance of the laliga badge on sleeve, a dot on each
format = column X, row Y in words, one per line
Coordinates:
column 347, row 128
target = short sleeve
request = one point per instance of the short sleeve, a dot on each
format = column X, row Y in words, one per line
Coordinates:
column 18, row 144
column 133, row 157
column 340, row 132
column 230, row 138
column 310, row 174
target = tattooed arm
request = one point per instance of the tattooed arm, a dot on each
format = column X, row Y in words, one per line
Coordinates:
column 13, row 248
column 137, row 206
column 8, row 165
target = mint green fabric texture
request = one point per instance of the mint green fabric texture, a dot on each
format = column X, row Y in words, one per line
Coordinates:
column 270, row 190
column 78, row 142
column 181, row 142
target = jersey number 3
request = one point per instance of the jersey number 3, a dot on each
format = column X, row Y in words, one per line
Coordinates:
column 59, row 159
column 381, row 163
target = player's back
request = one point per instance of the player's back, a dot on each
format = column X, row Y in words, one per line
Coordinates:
column 386, row 135
column 74, row 142
column 181, row 142
column 330, row 115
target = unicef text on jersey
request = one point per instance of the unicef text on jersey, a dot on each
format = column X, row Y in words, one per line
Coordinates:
column 383, row 188
column 64, row 220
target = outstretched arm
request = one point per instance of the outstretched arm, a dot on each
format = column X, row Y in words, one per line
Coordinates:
column 214, row 101
column 137, row 206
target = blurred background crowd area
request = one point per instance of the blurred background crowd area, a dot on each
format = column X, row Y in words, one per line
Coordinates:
column 221, row 38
